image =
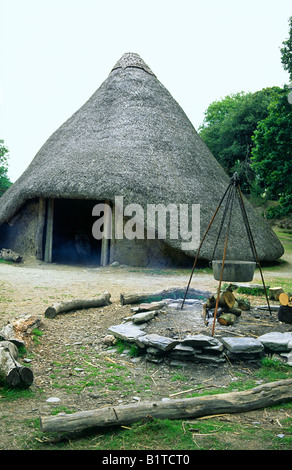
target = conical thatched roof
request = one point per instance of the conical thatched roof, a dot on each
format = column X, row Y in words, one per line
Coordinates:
column 132, row 139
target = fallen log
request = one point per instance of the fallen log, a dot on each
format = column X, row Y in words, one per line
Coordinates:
column 173, row 293
column 19, row 331
column 11, row 372
column 77, row 304
column 235, row 402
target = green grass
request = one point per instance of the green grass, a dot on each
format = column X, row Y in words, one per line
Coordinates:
column 285, row 238
column 207, row 433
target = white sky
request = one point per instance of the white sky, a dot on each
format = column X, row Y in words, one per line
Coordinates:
column 56, row 53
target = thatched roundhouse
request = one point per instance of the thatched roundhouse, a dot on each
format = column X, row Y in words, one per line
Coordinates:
column 130, row 143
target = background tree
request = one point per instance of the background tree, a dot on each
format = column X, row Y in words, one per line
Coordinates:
column 286, row 52
column 228, row 128
column 4, row 180
column 272, row 155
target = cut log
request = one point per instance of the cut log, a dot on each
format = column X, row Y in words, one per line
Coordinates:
column 274, row 292
column 227, row 319
column 235, row 311
column 242, row 304
column 173, row 292
column 77, row 304
column 285, row 299
column 11, row 372
column 226, row 299
column 235, row 402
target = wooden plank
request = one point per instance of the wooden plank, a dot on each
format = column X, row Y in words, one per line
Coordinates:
column 40, row 229
column 105, row 242
column 49, row 232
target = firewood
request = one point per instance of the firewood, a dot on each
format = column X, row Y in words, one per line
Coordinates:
column 235, row 311
column 11, row 372
column 227, row 319
column 269, row 394
column 226, row 299
column 242, row 304
column 77, row 304
column 285, row 299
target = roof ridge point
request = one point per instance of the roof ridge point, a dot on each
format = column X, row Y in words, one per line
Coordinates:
column 132, row 59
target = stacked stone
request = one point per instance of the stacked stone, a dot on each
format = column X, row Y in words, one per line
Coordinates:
column 279, row 343
column 198, row 348
column 243, row 349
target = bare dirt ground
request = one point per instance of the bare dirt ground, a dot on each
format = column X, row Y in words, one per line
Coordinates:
column 72, row 341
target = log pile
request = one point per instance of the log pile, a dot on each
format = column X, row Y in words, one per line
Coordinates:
column 229, row 308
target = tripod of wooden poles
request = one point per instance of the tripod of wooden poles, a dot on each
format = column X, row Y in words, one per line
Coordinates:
column 233, row 190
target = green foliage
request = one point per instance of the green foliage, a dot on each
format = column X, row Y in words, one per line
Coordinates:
column 228, row 128
column 4, row 180
column 286, row 52
column 272, row 154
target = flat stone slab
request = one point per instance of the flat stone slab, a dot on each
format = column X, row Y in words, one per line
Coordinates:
column 276, row 341
column 126, row 331
column 156, row 341
column 242, row 345
column 144, row 316
column 200, row 341
column 148, row 307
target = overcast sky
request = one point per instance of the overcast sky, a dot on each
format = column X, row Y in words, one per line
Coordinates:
column 56, row 53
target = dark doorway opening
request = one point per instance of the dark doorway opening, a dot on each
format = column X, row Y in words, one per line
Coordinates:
column 73, row 242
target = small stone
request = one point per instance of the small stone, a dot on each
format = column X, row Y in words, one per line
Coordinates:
column 53, row 400
column 109, row 340
column 143, row 316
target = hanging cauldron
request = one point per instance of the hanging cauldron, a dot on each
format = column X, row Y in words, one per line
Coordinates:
column 233, row 270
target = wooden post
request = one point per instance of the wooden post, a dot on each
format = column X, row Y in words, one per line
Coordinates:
column 105, row 242
column 49, row 232
column 40, row 229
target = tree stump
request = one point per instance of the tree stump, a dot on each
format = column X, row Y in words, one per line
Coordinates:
column 11, row 372
column 274, row 293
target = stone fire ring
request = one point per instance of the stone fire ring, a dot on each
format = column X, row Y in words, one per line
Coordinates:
column 197, row 348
